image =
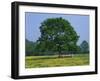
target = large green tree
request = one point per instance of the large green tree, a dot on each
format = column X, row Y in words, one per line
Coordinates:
column 57, row 34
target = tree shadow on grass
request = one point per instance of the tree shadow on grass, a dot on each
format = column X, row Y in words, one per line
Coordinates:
column 45, row 57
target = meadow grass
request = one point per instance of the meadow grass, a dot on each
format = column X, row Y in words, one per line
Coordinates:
column 54, row 61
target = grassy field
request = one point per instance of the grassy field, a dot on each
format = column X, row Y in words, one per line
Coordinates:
column 54, row 61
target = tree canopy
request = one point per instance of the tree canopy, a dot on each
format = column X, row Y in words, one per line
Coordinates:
column 57, row 34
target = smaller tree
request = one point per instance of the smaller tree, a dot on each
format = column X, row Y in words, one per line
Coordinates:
column 84, row 47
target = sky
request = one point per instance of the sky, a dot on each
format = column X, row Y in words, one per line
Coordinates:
column 33, row 21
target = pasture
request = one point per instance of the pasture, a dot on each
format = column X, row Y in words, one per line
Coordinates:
column 54, row 61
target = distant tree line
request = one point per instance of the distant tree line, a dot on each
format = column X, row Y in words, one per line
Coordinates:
column 32, row 50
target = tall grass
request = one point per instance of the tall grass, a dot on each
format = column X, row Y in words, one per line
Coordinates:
column 54, row 61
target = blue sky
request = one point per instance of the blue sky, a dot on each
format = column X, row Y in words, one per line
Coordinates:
column 33, row 22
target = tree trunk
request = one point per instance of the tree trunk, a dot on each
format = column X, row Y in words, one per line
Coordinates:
column 59, row 50
column 59, row 55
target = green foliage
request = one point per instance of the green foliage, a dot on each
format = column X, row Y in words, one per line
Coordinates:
column 54, row 61
column 33, row 49
column 30, row 48
column 84, row 47
column 57, row 34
